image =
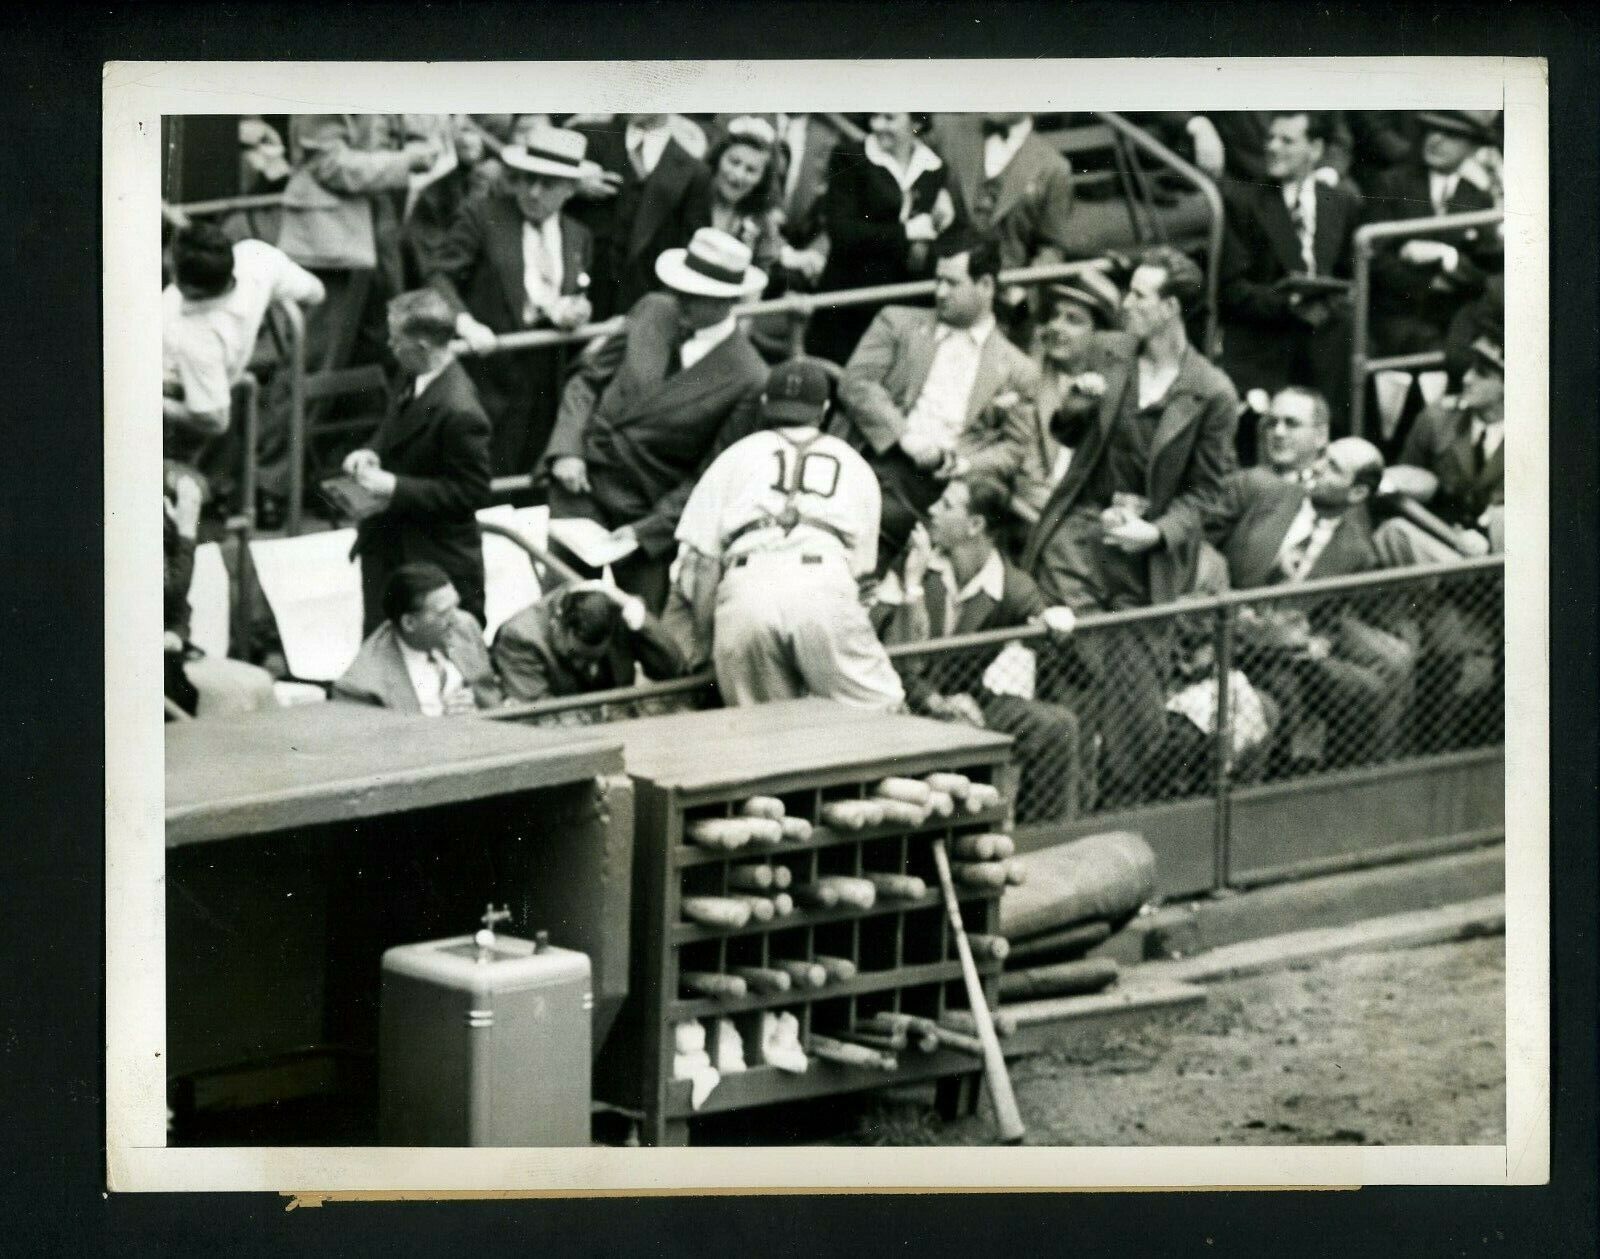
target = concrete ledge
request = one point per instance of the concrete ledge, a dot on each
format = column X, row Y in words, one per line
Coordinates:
column 1484, row 916
column 1183, row 930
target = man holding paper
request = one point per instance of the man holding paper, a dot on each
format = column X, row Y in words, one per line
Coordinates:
column 650, row 407
column 1285, row 269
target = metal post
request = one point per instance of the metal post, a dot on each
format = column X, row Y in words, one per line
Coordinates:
column 297, row 417
column 1222, row 764
column 1361, row 304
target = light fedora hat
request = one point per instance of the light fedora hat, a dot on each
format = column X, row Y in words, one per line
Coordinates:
column 714, row 265
column 549, row 151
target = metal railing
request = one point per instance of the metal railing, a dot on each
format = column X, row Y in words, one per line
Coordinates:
column 1364, row 246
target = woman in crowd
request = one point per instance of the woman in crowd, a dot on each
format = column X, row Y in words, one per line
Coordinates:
column 744, row 188
column 885, row 204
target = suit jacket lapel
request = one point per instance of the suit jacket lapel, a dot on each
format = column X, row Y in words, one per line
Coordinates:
column 1275, row 525
column 659, row 194
column 572, row 264
column 415, row 416
column 964, row 156
column 986, row 377
column 1330, row 230
column 1338, row 557
column 920, row 345
column 505, row 245
column 1018, row 174
column 1280, row 229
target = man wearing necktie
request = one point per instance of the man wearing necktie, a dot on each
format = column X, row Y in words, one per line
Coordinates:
column 427, row 656
column 1418, row 284
column 1342, row 681
column 649, row 407
column 1281, row 235
column 513, row 261
column 426, row 472
column 1454, row 462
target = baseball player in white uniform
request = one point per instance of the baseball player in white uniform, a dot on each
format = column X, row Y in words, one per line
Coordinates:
column 774, row 539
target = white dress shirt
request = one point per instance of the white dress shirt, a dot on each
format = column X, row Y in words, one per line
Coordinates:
column 1491, row 434
column 704, row 341
column 940, row 412
column 647, row 145
column 434, row 677
column 794, row 142
column 1312, row 529
column 542, row 270
column 999, row 150
column 1441, row 188
column 427, row 378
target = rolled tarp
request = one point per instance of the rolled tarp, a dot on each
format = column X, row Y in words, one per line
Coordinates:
column 1107, row 876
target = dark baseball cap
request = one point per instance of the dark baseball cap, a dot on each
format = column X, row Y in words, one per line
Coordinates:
column 797, row 392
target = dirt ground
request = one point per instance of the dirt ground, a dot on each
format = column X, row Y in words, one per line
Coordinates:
column 1394, row 1048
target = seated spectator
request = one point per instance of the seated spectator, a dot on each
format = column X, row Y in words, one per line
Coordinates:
column 513, row 261
column 582, row 637
column 1291, row 229
column 1294, row 433
column 769, row 565
column 211, row 316
column 1008, row 182
column 647, row 196
column 954, row 580
column 932, row 394
column 427, row 656
column 1454, row 463
column 1342, row 681
column 1419, row 284
column 649, row 407
column 426, row 473
column 886, row 201
column 1151, row 427
column 1073, row 311
column 341, row 222
column 201, row 685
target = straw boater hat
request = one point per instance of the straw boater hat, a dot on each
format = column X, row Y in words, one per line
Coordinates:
column 714, row 265
column 1487, row 350
column 550, row 151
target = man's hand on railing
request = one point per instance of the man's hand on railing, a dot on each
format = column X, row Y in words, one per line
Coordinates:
column 570, row 312
column 1493, row 524
column 1058, row 622
column 1473, row 544
column 478, row 336
column 1422, row 253
column 571, row 474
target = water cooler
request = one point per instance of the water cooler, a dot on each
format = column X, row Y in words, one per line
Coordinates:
column 484, row 1040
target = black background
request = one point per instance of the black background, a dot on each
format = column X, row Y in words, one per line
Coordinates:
column 51, row 827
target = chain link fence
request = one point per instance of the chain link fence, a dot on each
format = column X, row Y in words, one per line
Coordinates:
column 1130, row 709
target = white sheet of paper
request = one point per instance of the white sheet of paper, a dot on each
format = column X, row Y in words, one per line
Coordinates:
column 590, row 541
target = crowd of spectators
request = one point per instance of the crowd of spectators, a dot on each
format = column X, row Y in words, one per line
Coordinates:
column 1001, row 456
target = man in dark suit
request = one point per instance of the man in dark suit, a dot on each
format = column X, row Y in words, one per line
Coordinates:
column 954, row 580
column 646, row 197
column 1294, row 225
column 1122, row 528
column 1417, row 284
column 512, row 261
column 931, row 394
column 427, row 470
column 650, row 407
column 1343, row 683
column 580, row 638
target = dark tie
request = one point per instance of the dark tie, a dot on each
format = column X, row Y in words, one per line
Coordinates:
column 996, row 128
column 1480, row 451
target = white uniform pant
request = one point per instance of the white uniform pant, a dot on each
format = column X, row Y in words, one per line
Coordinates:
column 789, row 624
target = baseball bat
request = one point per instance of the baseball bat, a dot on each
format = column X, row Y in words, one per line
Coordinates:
column 782, row 876
column 716, row 911
column 764, row 979
column 795, row 829
column 859, row 893
column 994, row 948
column 905, row 887
column 750, row 878
column 761, row 907
column 910, row 790
column 851, row 1055
column 804, row 974
column 711, row 984
column 956, row 786
column 763, row 806
column 1007, row 1116
column 839, row 968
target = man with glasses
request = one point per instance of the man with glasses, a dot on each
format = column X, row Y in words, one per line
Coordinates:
column 418, row 486
column 1294, row 433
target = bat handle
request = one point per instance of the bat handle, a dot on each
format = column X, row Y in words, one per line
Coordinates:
column 1007, row 1117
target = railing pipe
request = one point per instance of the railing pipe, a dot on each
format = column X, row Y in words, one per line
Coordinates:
column 1223, row 759
column 1362, row 248
column 297, row 418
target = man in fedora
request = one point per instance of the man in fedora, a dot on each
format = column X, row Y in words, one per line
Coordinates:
column 1418, row 284
column 510, row 262
column 1071, row 312
column 651, row 406
column 1454, row 462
